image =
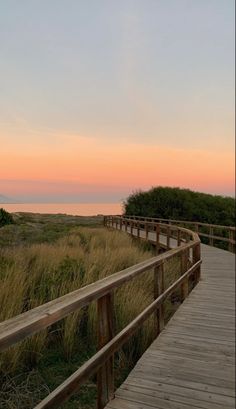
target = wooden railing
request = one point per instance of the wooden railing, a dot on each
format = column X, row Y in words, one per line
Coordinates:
column 213, row 232
column 151, row 231
column 18, row 328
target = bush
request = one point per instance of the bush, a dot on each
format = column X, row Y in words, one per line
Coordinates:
column 5, row 218
column 181, row 204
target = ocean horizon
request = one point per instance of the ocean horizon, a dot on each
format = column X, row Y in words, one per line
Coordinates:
column 75, row 209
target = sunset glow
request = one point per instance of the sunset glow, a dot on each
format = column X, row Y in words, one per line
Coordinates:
column 91, row 118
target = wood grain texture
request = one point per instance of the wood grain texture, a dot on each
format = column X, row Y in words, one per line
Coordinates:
column 192, row 362
column 105, row 375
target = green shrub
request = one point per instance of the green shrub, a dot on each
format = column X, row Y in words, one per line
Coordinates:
column 5, row 218
column 181, row 204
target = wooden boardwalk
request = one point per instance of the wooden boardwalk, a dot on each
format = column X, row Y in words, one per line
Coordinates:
column 191, row 363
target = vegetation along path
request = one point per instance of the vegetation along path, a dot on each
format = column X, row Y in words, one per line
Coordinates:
column 191, row 363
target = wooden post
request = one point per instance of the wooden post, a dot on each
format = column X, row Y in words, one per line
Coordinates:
column 126, row 225
column 197, row 257
column 159, row 287
column 112, row 221
column 105, row 376
column 231, row 241
column 211, row 238
column 138, row 230
column 184, row 268
column 179, row 237
column 230, row 238
column 131, row 228
column 116, row 223
column 121, row 222
column 168, row 238
column 157, row 238
column 146, row 230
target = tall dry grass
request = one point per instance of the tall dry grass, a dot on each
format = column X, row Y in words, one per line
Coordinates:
column 34, row 274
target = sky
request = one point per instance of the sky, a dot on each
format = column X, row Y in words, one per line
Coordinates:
column 100, row 98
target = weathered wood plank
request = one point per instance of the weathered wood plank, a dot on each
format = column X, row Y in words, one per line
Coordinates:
column 205, row 396
column 72, row 383
column 191, row 363
column 171, row 395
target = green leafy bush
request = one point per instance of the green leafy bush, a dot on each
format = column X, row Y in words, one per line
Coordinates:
column 5, row 218
column 181, row 204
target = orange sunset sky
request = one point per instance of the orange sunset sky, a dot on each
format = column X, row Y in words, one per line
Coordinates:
column 96, row 102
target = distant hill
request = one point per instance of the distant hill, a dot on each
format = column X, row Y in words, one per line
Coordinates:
column 5, row 199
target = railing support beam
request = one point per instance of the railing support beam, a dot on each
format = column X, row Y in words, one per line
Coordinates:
column 157, row 238
column 105, row 376
column 159, row 288
column 184, row 268
column 197, row 257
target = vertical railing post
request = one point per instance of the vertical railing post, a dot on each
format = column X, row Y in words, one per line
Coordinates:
column 121, row 221
column 184, row 268
column 105, row 376
column 211, row 238
column 157, row 238
column 112, row 221
column 159, row 287
column 131, row 227
column 116, row 223
column 231, row 240
column 126, row 225
column 138, row 229
column 179, row 237
column 168, row 238
column 146, row 230
column 197, row 257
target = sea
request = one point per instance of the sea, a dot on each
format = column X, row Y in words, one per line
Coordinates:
column 74, row 209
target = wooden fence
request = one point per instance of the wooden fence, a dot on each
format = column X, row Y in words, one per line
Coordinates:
column 102, row 362
column 213, row 232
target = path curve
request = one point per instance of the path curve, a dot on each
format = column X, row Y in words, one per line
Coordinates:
column 192, row 362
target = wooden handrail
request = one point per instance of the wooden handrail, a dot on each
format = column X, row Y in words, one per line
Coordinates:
column 196, row 226
column 24, row 325
column 93, row 364
column 159, row 219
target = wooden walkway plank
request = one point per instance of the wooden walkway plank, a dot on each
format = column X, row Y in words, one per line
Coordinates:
column 191, row 364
